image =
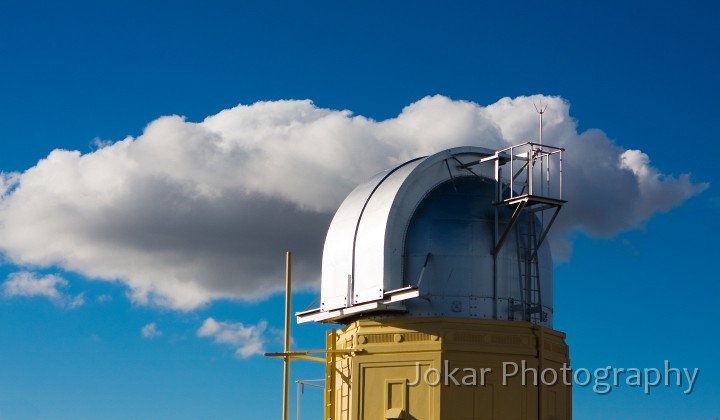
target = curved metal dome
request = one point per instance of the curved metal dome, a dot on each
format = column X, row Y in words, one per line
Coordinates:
column 451, row 236
column 422, row 240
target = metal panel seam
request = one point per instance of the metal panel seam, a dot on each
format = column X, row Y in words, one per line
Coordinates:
column 357, row 225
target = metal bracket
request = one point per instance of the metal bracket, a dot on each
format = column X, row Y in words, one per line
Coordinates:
column 509, row 227
column 544, row 234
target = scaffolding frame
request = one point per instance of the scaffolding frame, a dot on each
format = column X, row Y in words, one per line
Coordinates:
column 533, row 185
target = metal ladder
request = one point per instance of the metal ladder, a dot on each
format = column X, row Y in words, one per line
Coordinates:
column 530, row 303
column 529, row 269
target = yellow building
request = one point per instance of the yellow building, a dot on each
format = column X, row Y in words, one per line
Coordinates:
column 440, row 275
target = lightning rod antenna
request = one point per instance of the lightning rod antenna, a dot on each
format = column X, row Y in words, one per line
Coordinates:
column 541, row 110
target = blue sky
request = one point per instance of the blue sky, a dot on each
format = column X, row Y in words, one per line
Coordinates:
column 85, row 75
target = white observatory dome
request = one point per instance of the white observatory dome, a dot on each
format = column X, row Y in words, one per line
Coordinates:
column 433, row 237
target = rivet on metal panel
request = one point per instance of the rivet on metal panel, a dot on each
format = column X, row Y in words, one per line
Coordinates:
column 399, row 338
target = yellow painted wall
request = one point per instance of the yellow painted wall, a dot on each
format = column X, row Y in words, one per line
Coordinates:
column 374, row 381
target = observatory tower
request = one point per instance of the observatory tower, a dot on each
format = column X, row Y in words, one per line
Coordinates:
column 440, row 277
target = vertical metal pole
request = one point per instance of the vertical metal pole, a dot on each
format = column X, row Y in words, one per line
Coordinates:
column 512, row 172
column 498, row 181
column 286, row 365
column 561, row 175
column 497, row 178
column 542, row 187
column 547, row 172
column 541, row 124
column 297, row 404
column 531, row 156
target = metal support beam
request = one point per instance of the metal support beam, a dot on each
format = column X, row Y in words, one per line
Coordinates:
column 422, row 272
column 488, row 158
column 292, row 355
column 546, row 229
column 305, row 354
column 452, row 179
column 509, row 227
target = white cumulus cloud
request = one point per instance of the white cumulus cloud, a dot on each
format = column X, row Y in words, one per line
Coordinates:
column 189, row 212
column 248, row 340
column 29, row 284
column 150, row 331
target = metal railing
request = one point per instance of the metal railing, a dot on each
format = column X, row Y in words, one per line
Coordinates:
column 535, row 170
